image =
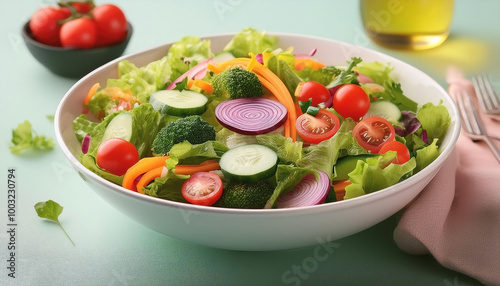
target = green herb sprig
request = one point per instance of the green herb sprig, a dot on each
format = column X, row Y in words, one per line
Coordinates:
column 51, row 210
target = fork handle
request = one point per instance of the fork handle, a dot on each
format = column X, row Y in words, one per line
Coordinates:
column 493, row 148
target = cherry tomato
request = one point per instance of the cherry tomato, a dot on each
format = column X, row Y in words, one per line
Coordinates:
column 350, row 100
column 79, row 33
column 401, row 150
column 311, row 89
column 116, row 156
column 44, row 26
column 111, row 24
column 315, row 129
column 202, row 188
column 373, row 132
column 82, row 8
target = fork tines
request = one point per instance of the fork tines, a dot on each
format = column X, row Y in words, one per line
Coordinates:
column 488, row 99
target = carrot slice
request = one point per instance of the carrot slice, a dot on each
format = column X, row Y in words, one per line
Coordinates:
column 339, row 188
column 191, row 169
column 144, row 165
column 214, row 69
column 203, row 85
column 91, row 93
column 148, row 177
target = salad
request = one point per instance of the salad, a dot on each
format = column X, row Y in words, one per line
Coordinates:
column 255, row 125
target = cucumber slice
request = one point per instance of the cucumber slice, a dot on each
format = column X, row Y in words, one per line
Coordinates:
column 179, row 103
column 119, row 127
column 384, row 109
column 222, row 57
column 347, row 164
column 249, row 163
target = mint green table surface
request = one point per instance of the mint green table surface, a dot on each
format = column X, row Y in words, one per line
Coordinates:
column 111, row 249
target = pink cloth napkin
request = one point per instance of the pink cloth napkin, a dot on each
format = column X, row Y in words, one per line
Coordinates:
column 456, row 218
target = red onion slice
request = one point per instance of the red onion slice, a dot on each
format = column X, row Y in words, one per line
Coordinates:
column 307, row 192
column 251, row 116
column 198, row 72
column 86, row 144
column 306, row 56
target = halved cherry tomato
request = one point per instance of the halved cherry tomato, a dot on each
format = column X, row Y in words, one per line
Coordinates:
column 373, row 132
column 116, row 156
column 400, row 148
column 79, row 33
column 111, row 24
column 314, row 90
column 315, row 129
column 202, row 188
column 350, row 100
column 44, row 26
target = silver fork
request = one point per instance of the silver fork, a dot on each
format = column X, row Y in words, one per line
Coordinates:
column 473, row 124
column 488, row 99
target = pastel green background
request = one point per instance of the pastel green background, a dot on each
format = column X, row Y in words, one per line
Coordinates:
column 111, row 249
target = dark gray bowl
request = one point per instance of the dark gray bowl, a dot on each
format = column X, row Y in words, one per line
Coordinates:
column 73, row 63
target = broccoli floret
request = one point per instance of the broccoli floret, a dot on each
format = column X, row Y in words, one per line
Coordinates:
column 192, row 128
column 236, row 82
column 246, row 195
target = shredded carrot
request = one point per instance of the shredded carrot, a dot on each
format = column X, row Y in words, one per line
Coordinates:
column 273, row 84
column 148, row 177
column 190, row 83
column 203, row 85
column 152, row 167
column 214, row 69
column 191, row 169
column 91, row 93
column 144, row 165
column 339, row 188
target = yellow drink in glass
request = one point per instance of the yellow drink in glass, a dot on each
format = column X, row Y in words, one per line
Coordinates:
column 408, row 24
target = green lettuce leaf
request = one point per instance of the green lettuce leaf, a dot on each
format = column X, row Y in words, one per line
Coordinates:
column 376, row 173
column 187, row 153
column 282, row 66
column 23, row 138
column 145, row 122
column 89, row 161
column 347, row 75
column 167, row 187
column 250, row 40
column 325, row 154
column 381, row 74
column 323, row 75
column 287, row 150
column 435, row 120
column 426, row 155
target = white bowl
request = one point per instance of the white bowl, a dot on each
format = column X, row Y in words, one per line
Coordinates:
column 259, row 230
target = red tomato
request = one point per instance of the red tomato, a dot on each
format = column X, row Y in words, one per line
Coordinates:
column 315, row 129
column 400, row 148
column 44, row 27
column 373, row 132
column 311, row 89
column 83, row 8
column 202, row 188
column 116, row 156
column 111, row 24
column 352, row 101
column 80, row 33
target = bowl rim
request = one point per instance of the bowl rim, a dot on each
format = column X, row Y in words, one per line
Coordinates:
column 357, row 201
column 28, row 37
